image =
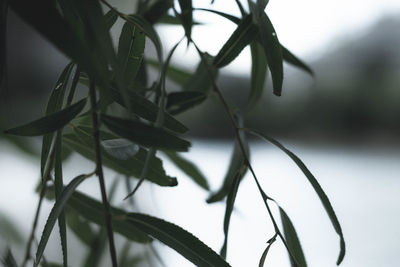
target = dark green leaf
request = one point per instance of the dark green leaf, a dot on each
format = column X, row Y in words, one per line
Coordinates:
column 145, row 27
column 261, row 4
column 93, row 211
column 230, row 203
column 172, row 20
column 241, row 37
column 189, row 168
column 175, row 74
column 3, row 43
column 236, row 163
column 222, row 14
column 55, row 213
column 272, row 48
column 59, row 184
column 292, row 59
column 200, row 80
column 49, row 123
column 148, row 110
column 179, row 102
column 130, row 51
column 82, row 142
column 53, row 105
column 80, row 227
column 8, row 259
column 110, row 17
column 157, row 10
column 144, row 134
column 258, row 73
column 265, row 253
column 317, row 187
column 292, row 241
column 178, row 239
column 187, row 16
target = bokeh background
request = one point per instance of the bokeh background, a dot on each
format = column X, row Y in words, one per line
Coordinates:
column 344, row 124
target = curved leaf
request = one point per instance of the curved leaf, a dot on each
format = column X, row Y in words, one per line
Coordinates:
column 187, row 17
column 49, row 123
column 144, row 134
column 241, row 37
column 93, row 211
column 157, row 10
column 189, row 168
column 200, row 79
column 265, row 253
column 81, row 141
column 175, row 74
column 317, row 187
column 110, row 18
column 54, row 213
column 258, row 73
column 179, row 102
column 222, row 14
column 292, row 240
column 178, row 239
column 292, row 59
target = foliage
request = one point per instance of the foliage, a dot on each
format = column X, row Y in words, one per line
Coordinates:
column 127, row 137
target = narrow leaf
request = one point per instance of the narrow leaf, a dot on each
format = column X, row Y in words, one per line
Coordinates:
column 200, row 79
column 292, row 59
column 58, row 182
column 258, row 73
column 144, row 134
column 55, row 213
column 317, row 187
column 110, row 18
column 92, row 210
column 8, row 259
column 189, row 168
column 53, row 105
column 292, row 241
column 148, row 110
column 157, row 10
column 49, row 123
column 187, row 16
column 230, row 203
column 261, row 4
column 130, row 51
column 80, row 227
column 174, row 73
column 241, row 37
column 179, row 102
column 234, row 19
column 265, row 253
column 178, row 239
column 82, row 142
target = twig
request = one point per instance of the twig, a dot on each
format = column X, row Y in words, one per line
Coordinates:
column 99, row 172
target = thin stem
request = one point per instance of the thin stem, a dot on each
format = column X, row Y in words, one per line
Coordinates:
column 242, row 148
column 100, row 174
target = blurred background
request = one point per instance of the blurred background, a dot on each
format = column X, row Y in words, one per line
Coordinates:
column 344, row 124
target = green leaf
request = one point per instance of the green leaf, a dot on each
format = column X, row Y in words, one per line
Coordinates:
column 53, row 105
column 292, row 59
column 241, row 37
column 189, row 168
column 81, row 141
column 49, row 123
column 157, row 10
column 178, row 239
column 272, row 48
column 234, row 19
column 3, row 41
column 261, row 4
column 258, row 73
column 236, row 163
column 187, row 17
column 59, row 184
column 8, row 259
column 130, row 51
column 80, row 227
column 93, row 211
column 148, row 110
column 110, row 17
column 144, row 134
column 175, row 74
column 292, row 241
column 317, row 187
column 200, row 80
column 230, row 203
column 265, row 253
column 172, row 20
column 55, row 213
column 179, row 102
column 148, row 29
